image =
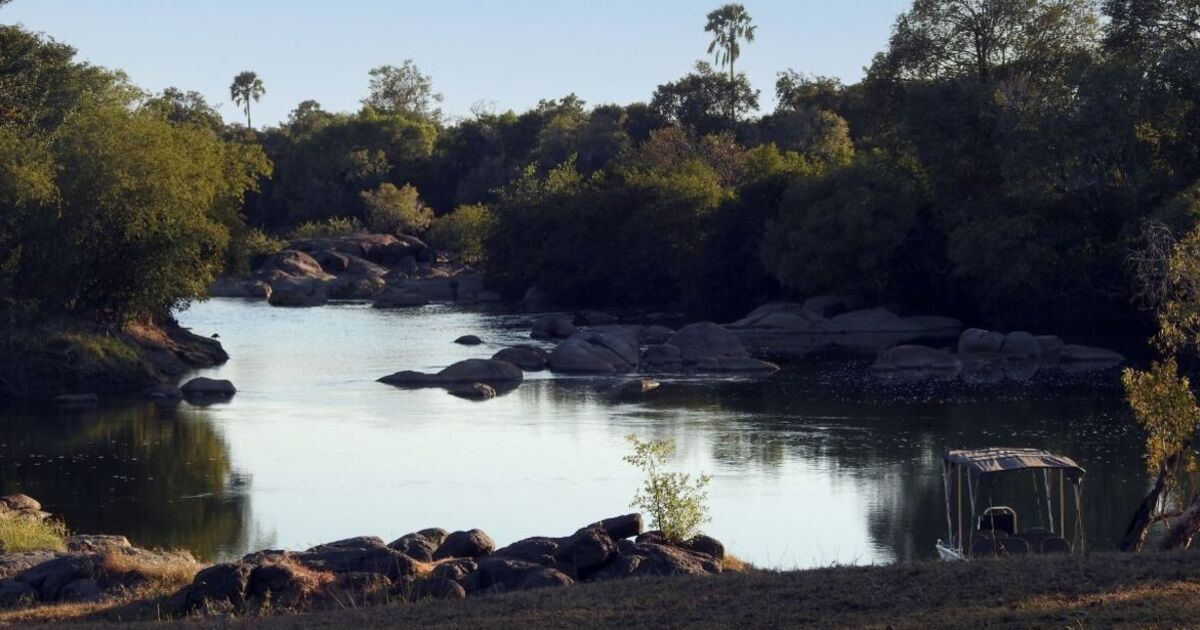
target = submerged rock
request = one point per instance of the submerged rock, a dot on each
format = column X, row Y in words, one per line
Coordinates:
column 469, row 372
column 528, row 358
column 202, row 386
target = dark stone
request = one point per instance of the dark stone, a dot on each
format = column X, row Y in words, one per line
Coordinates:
column 434, row 588
column 220, row 583
column 415, row 546
column 48, row 578
column 463, row 571
column 552, row 327
column 201, row 386
column 470, row 371
column 538, row 550
column 434, row 534
column 468, row 340
column 587, row 550
column 81, row 590
column 619, row 527
column 12, row 564
column 14, row 594
column 358, row 542
column 373, row 559
column 528, row 358
column 469, row 544
column 708, row 546
column 653, row 560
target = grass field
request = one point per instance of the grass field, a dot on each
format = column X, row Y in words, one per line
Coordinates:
column 1097, row 591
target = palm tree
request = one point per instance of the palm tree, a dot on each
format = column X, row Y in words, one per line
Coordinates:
column 246, row 87
column 729, row 24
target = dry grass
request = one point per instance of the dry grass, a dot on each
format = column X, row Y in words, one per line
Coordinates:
column 167, row 571
column 24, row 534
column 1098, row 591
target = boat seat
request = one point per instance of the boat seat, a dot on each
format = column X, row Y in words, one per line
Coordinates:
column 999, row 521
column 1015, row 546
column 1055, row 545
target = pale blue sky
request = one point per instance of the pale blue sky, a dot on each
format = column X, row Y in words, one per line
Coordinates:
column 508, row 52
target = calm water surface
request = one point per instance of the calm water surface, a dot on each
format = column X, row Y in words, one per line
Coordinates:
column 816, row 465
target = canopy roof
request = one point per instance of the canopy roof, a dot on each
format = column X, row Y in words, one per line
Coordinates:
column 985, row 461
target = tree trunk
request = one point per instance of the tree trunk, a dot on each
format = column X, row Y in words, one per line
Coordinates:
column 1180, row 535
column 1143, row 518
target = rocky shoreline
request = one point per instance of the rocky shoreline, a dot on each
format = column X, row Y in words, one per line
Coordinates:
column 429, row 564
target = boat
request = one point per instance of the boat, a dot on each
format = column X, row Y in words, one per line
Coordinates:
column 984, row 489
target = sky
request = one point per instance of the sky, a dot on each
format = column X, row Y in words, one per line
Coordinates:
column 505, row 54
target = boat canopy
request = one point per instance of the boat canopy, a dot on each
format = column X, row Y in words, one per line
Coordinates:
column 987, row 461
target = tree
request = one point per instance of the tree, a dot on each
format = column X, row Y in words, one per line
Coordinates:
column 677, row 504
column 404, row 90
column 989, row 39
column 179, row 107
column 246, row 87
column 700, row 102
column 393, row 210
column 463, row 232
column 729, row 25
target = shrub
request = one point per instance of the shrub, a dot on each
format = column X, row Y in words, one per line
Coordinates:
column 463, row 231
column 249, row 247
column 397, row 211
column 18, row 534
column 334, row 226
column 677, row 505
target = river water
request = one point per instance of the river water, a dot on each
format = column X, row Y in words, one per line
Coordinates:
column 819, row 464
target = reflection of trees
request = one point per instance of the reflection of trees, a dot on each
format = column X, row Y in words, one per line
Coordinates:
column 154, row 475
column 890, row 446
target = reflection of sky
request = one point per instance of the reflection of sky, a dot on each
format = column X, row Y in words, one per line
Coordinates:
column 330, row 453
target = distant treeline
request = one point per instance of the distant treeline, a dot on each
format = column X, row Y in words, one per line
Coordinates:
column 999, row 161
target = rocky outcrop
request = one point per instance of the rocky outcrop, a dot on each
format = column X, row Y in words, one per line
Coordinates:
column 299, row 292
column 703, row 347
column 791, row 329
column 528, row 358
column 500, row 375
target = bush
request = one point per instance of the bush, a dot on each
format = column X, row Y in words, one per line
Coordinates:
column 676, row 503
column 463, row 232
column 18, row 535
column 332, row 227
column 248, row 248
column 392, row 210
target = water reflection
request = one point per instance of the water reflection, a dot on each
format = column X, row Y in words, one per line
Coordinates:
column 160, row 476
column 820, row 463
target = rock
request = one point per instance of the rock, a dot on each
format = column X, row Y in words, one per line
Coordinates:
column 358, row 542
column 438, row 289
column 472, row 391
column 14, row 594
column 481, row 371
column 332, row 261
column 298, row 292
column 81, row 590
column 654, row 334
column 12, row 564
column 619, row 527
column 1049, row 345
column 594, row 318
column 654, row 560
column 294, row 263
column 588, row 550
column 468, row 340
column 708, row 546
column 21, row 503
column 791, row 312
column 48, row 578
column 662, row 358
column 401, row 297
column 911, row 357
column 1072, row 353
column 284, row 584
column 978, row 341
column 355, row 288
column 462, row 571
column 397, row 249
column 528, row 358
column 436, row 535
column 415, row 589
column 499, row 575
column 240, row 288
column 362, row 559
column 706, row 340
column 465, row 544
column 538, row 550
column 96, row 543
column 202, row 386
column 75, row 401
column 415, row 546
column 220, row 583
column 827, row 305
column 874, row 320
column 552, row 327
column 1020, row 344
column 578, row 355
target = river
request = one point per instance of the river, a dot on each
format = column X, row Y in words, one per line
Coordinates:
column 820, row 464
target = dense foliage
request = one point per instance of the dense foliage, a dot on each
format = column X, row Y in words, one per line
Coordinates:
column 997, row 162
column 113, row 204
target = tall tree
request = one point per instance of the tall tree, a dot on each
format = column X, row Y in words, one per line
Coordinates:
column 246, row 87
column 404, row 90
column 729, row 25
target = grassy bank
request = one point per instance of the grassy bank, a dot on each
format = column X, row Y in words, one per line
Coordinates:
column 1103, row 590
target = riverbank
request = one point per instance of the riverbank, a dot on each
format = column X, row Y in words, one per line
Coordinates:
column 80, row 361
column 1099, row 590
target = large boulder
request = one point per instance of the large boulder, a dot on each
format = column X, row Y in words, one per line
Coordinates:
column 487, row 371
column 240, row 288
column 528, row 358
column 294, row 263
column 299, row 292
column 416, row 546
column 706, row 339
column 1020, row 345
column 401, row 297
column 220, row 583
column 620, row 527
column 472, row 543
column 203, row 386
column 979, row 341
column 910, row 357
column 355, row 288
column 784, row 316
column 397, row 249
column 552, row 327
column 591, row 352
column 656, row 560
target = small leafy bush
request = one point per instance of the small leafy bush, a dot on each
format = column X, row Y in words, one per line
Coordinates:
column 392, row 210
column 463, row 232
column 676, row 503
column 333, row 226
